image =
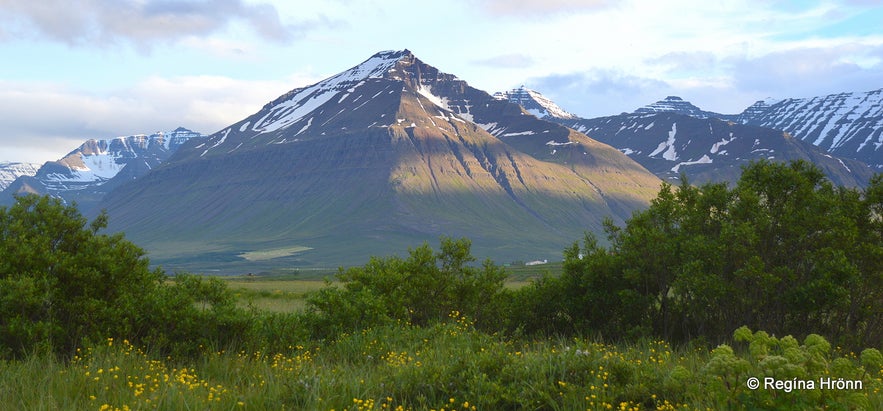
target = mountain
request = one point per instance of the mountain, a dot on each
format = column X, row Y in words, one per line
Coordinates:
column 535, row 103
column 10, row 171
column 87, row 173
column 710, row 149
column 380, row 157
column 674, row 136
column 674, row 104
column 847, row 125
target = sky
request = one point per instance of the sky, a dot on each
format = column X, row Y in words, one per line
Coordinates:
column 81, row 69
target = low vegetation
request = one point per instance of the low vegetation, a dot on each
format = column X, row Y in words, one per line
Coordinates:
column 657, row 319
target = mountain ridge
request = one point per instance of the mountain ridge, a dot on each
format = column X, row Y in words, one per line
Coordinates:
column 848, row 124
column 651, row 136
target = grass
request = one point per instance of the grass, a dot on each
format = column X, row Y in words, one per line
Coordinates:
column 447, row 366
column 274, row 295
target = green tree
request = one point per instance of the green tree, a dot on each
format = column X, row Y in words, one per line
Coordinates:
column 62, row 283
column 784, row 250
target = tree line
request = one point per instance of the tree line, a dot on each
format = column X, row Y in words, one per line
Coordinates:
column 783, row 251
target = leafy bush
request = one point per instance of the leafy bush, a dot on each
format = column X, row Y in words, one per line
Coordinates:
column 788, row 363
column 784, row 251
column 62, row 284
column 418, row 290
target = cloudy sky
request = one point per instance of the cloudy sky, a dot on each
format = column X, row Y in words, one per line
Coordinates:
column 74, row 70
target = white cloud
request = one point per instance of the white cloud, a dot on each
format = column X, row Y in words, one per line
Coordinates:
column 143, row 23
column 50, row 119
column 592, row 57
column 534, row 8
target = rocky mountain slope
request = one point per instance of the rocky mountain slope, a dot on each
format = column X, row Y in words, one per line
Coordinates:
column 383, row 156
column 846, row 125
column 535, row 103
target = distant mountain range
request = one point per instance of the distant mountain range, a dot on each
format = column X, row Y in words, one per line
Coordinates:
column 94, row 168
column 673, row 136
column 847, row 125
column 535, row 103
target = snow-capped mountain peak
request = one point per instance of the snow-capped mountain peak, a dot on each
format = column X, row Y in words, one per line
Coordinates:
column 295, row 105
column 97, row 161
column 98, row 165
column 10, row 171
column 535, row 103
column 675, row 104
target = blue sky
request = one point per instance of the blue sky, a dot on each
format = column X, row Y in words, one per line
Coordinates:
column 74, row 70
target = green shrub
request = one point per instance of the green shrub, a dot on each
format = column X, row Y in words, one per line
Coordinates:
column 62, row 283
column 421, row 289
column 783, row 250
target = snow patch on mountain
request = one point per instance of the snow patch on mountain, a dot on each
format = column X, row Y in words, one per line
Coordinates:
column 426, row 91
column 97, row 161
column 703, row 160
column 98, row 167
column 667, row 147
column 844, row 124
column 716, row 147
column 674, row 104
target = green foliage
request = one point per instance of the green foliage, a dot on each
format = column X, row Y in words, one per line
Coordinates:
column 61, row 282
column 192, row 312
column 783, row 250
column 590, row 294
column 786, row 362
column 423, row 288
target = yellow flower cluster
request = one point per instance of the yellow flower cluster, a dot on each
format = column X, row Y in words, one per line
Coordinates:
column 462, row 323
column 151, row 383
column 371, row 405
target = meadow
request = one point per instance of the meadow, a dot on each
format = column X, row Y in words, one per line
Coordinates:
column 448, row 366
